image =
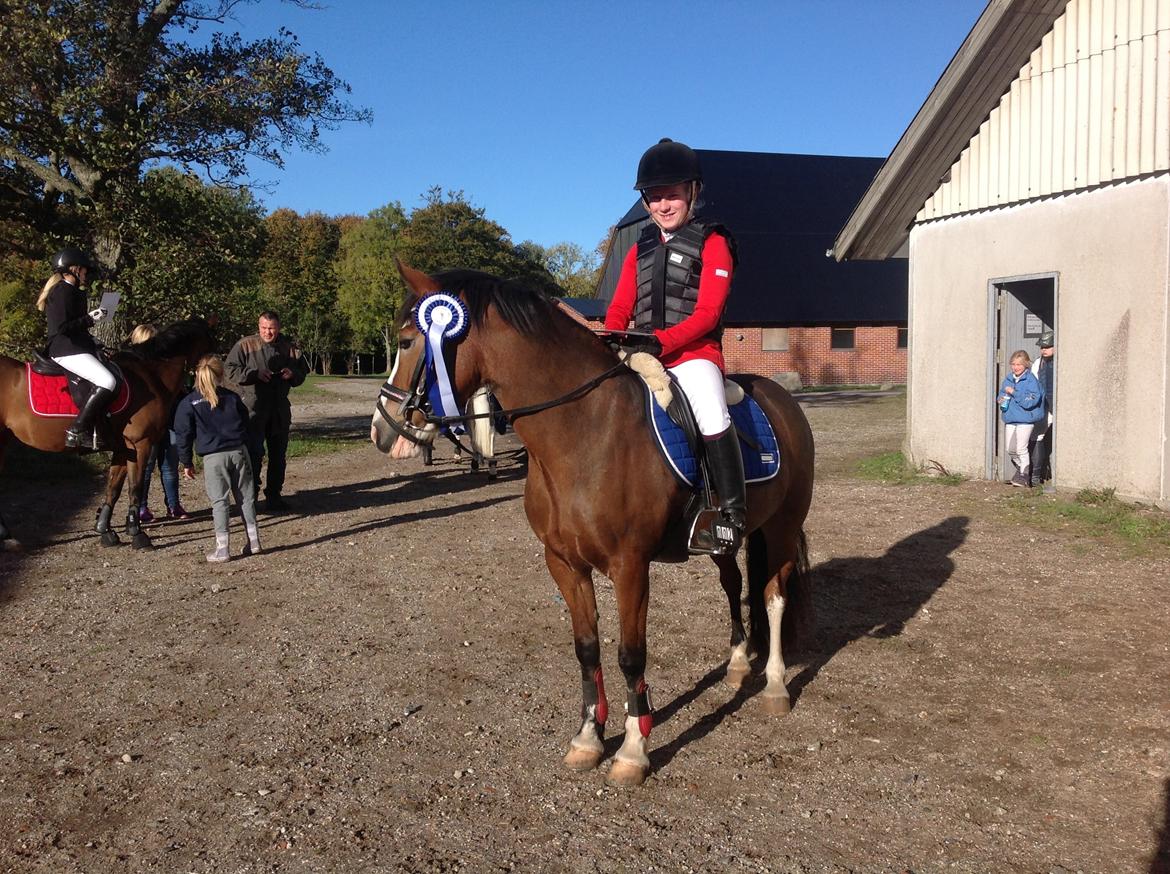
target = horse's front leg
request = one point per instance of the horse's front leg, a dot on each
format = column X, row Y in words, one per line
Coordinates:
column 136, row 467
column 8, row 543
column 632, row 586
column 738, row 666
column 114, row 481
column 576, row 585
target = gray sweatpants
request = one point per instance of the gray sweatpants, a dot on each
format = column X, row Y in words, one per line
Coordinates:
column 223, row 474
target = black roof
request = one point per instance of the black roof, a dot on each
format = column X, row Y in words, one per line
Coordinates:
column 785, row 212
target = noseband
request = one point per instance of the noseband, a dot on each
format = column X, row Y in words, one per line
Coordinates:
column 442, row 318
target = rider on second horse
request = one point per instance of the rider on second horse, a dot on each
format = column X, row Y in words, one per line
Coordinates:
column 70, row 343
column 674, row 282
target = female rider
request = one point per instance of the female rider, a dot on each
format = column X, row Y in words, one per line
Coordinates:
column 70, row 343
column 674, row 282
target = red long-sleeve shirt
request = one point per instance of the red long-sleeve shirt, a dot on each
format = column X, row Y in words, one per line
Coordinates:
column 688, row 339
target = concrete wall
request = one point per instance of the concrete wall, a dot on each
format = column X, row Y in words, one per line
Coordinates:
column 1110, row 247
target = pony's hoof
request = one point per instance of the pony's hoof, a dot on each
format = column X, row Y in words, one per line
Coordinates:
column 776, row 705
column 141, row 541
column 625, row 775
column 110, row 538
column 10, row 544
column 582, row 759
column 736, row 674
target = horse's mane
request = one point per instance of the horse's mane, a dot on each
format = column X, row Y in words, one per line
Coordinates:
column 172, row 341
column 528, row 310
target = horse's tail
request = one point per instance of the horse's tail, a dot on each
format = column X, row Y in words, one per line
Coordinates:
column 480, row 430
column 797, row 624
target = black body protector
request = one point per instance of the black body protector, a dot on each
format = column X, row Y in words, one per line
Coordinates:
column 668, row 275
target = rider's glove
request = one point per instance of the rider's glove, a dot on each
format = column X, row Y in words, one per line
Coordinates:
column 97, row 314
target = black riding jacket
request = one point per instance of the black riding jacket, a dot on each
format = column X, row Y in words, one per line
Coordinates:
column 68, row 321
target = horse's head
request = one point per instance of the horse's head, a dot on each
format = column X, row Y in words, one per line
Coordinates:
column 428, row 380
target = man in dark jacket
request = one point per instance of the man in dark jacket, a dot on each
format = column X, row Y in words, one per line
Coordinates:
column 265, row 366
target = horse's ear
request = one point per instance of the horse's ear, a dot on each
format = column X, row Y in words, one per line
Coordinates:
column 415, row 280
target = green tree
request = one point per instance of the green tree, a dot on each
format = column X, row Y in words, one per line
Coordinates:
column 198, row 250
column 93, row 93
column 448, row 232
column 299, row 281
column 369, row 289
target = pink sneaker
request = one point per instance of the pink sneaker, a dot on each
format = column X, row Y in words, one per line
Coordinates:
column 177, row 512
column 145, row 516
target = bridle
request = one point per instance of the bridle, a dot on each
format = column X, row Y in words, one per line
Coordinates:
column 425, row 391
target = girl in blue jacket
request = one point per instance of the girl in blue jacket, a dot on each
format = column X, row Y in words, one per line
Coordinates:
column 1021, row 403
column 213, row 422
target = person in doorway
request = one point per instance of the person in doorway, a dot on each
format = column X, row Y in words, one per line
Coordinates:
column 265, row 366
column 214, row 422
column 164, row 455
column 674, row 282
column 1021, row 403
column 1044, row 369
column 70, row 344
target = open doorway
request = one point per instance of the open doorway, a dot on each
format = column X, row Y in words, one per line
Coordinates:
column 1021, row 309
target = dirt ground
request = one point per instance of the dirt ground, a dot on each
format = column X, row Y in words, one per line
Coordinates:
column 391, row 687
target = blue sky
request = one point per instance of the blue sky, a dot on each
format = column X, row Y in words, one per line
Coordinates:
column 539, row 111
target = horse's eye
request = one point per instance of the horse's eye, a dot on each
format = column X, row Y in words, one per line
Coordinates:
column 405, row 343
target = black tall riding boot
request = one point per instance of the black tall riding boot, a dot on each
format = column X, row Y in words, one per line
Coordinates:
column 78, row 434
column 726, row 464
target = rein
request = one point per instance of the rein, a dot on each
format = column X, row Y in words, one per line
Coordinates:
column 390, row 392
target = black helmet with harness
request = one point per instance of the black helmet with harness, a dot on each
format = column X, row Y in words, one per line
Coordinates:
column 666, row 163
column 69, row 257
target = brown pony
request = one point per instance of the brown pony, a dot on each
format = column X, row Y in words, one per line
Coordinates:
column 599, row 495
column 155, row 371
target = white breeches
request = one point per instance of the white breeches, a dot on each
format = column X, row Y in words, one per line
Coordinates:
column 702, row 381
column 88, row 367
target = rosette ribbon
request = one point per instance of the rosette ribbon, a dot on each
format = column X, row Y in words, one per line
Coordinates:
column 441, row 317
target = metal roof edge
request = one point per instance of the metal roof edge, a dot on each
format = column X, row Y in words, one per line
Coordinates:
column 991, row 56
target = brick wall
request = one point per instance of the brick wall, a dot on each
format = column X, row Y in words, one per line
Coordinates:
column 875, row 358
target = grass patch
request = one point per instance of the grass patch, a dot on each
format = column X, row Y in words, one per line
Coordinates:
column 892, row 468
column 1097, row 513
column 320, row 445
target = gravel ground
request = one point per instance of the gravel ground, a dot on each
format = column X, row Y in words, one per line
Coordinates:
column 392, row 685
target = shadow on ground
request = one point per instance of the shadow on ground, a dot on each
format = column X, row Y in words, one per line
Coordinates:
column 855, row 597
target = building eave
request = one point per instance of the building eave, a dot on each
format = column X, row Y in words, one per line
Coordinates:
column 981, row 71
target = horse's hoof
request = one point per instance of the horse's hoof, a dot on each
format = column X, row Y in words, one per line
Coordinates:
column 736, row 674
column 583, row 759
column 141, row 541
column 625, row 775
column 776, row 705
column 10, row 544
column 110, row 538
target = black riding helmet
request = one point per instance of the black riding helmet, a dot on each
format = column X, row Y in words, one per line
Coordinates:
column 71, row 256
column 666, row 163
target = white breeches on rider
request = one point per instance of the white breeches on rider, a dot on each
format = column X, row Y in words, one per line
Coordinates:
column 88, row 367
column 702, row 382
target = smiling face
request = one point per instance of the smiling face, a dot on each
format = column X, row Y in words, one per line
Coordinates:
column 669, row 205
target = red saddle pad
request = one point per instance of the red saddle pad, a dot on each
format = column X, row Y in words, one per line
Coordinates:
column 49, row 395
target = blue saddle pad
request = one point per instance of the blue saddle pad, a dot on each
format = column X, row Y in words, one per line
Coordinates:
column 746, row 416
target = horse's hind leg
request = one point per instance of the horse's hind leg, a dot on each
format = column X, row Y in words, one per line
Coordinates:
column 576, row 585
column 731, row 579
column 136, row 467
column 772, row 575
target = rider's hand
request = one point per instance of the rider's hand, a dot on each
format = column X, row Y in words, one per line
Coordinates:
column 97, row 314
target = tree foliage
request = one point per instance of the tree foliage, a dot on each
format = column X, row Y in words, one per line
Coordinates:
column 369, row 289
column 92, row 94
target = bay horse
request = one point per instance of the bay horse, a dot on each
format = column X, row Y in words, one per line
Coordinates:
column 598, row 494
column 155, row 372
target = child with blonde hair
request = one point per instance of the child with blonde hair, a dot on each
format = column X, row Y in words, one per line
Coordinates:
column 214, row 421
column 1021, row 404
